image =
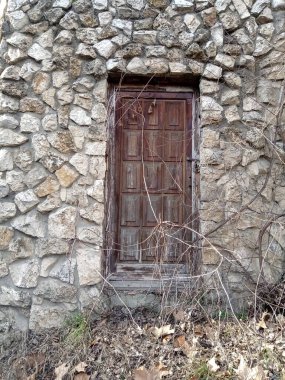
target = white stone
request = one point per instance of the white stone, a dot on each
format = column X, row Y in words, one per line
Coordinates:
column 65, row 95
column 61, row 223
column 212, row 71
column 64, row 271
column 251, row 104
column 105, row 18
column 20, row 40
column 52, row 202
column 262, row 46
column 232, row 80
column 7, row 211
column 211, row 111
column 11, row 72
column 98, row 167
column 192, row 22
column 231, row 114
column 11, row 297
column 26, row 200
column 4, row 271
column 100, row 91
column 18, row 19
column 80, row 162
column 105, row 48
column 230, row 97
column 37, row 52
column 47, row 316
column 258, row 6
column 241, row 9
column 46, row 39
column 278, row 4
column 136, row 4
column 8, row 121
column 99, row 113
column 15, row 5
column 14, row 55
column 47, row 264
column 182, row 5
column 97, row 190
column 217, row 34
column 59, row 78
column 10, row 138
column 96, row 148
column 80, row 116
column 221, row 5
column 4, row 188
column 30, row 224
column 137, row 66
column 88, row 264
column 124, row 25
column 6, row 160
column 78, row 134
column 49, row 122
column 62, row 3
column 40, row 145
column 209, row 87
column 100, row 5
column 8, row 104
column 28, row 70
column 29, row 123
column 15, row 179
column 225, row 60
column 25, row 273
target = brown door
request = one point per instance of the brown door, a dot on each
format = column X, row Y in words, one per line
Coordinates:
column 153, row 177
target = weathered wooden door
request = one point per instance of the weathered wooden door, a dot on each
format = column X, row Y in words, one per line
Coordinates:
column 153, row 179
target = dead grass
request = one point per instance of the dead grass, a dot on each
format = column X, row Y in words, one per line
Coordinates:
column 170, row 347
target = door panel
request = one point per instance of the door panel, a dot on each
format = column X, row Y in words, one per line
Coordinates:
column 153, row 176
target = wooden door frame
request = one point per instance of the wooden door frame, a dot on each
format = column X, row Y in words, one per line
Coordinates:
column 111, row 214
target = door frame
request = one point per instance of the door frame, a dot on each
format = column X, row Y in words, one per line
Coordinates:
column 111, row 214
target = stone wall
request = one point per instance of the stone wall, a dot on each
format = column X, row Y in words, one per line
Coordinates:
column 56, row 56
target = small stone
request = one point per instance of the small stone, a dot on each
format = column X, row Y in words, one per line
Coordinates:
column 147, row 37
column 176, row 67
column 6, row 160
column 99, row 113
column 4, row 271
column 25, row 273
column 41, row 82
column 6, row 235
column 241, row 9
column 12, row 88
column 49, row 122
column 230, row 20
column 40, row 145
column 137, row 66
column 105, row 48
column 8, row 104
column 66, row 175
column 48, row 97
column 64, row 37
column 211, row 111
column 62, row 141
column 217, row 34
column 262, row 46
column 31, row 105
column 100, row 5
column 83, row 100
column 105, row 18
column 265, row 16
column 15, row 179
column 65, row 95
column 192, row 22
column 10, row 138
column 83, row 84
column 62, row 3
column 86, row 51
column 70, row 21
column 35, row 176
column 28, row 70
column 7, row 211
column 31, row 224
column 52, row 246
column 225, row 61
column 80, row 162
column 209, row 17
column 258, row 6
column 24, row 159
column 64, row 270
column 26, row 200
column 232, row 80
column 221, row 5
column 55, row 290
column 96, row 148
column 251, row 104
column 37, row 52
column 231, row 114
column 208, row 87
column 11, row 72
column 29, row 123
column 49, row 186
column 88, row 264
column 59, row 78
column 230, row 97
column 18, row 19
column 8, row 121
column 61, row 223
column 20, row 40
column 52, row 202
column 37, row 28
column 52, row 162
column 212, row 71
column 80, row 116
column 183, row 5
column 87, row 35
column 11, row 297
column 97, row 191
column 4, row 188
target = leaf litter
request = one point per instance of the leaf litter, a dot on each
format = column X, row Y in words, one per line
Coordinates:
column 153, row 348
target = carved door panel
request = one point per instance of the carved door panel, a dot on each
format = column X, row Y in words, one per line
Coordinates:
column 153, row 177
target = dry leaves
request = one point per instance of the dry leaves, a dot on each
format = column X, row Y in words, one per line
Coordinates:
column 246, row 373
column 212, row 365
column 155, row 373
column 261, row 325
column 162, row 331
column 61, row 370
